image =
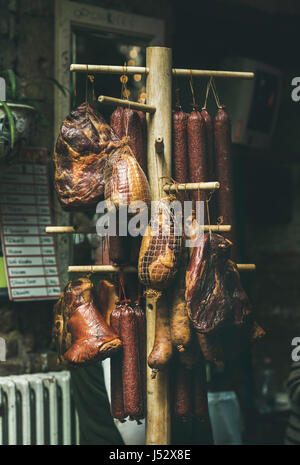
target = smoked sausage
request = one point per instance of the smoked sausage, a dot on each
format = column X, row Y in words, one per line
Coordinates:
column 161, row 353
column 224, row 173
column 197, row 151
column 132, row 393
column 116, row 378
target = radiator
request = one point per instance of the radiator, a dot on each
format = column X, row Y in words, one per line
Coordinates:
column 38, row 409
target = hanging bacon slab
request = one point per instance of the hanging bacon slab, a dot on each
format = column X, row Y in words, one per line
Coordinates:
column 216, row 301
column 214, row 294
column 83, row 144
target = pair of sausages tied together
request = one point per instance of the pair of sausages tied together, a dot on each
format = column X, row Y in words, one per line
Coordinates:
column 217, row 304
column 82, row 334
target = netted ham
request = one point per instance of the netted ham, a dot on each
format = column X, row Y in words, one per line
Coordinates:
column 160, row 249
column 125, row 181
column 81, row 332
column 84, row 142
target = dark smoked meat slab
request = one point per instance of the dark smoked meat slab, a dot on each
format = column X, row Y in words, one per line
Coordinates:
column 80, row 154
column 214, row 294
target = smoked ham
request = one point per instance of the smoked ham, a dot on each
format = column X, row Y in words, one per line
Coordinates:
column 160, row 249
column 125, row 181
column 89, row 337
column 84, row 142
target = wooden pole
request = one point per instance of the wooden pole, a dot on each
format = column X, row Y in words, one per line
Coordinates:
column 159, row 94
column 101, row 269
column 209, row 72
column 93, row 230
column 126, row 103
column 192, row 186
column 132, row 269
column 107, row 69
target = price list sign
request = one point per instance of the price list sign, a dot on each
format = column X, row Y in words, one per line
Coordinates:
column 29, row 253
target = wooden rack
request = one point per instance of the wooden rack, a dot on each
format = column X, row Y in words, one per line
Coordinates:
column 107, row 69
column 93, row 230
column 132, row 269
column 159, row 73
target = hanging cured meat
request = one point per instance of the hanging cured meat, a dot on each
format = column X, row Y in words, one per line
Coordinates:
column 90, row 337
column 116, row 121
column 125, row 181
column 160, row 249
column 210, row 162
column 217, row 303
column 224, row 174
column 180, row 159
column 132, row 387
column 214, row 293
column 197, row 151
column 162, row 350
column 107, row 299
column 228, row 343
column 180, row 325
column 116, row 376
column 133, row 128
column 80, row 154
column 182, row 396
column 132, row 123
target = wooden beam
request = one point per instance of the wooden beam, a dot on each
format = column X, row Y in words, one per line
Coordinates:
column 132, row 269
column 126, row 103
column 159, row 94
column 107, row 69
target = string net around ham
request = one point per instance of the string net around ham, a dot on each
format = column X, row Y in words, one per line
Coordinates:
column 160, row 249
column 125, row 181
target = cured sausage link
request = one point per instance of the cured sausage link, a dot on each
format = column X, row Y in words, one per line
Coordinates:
column 142, row 347
column 161, row 353
column 224, row 172
column 182, row 392
column 132, row 127
column 116, row 121
column 132, row 394
column 210, row 162
column 116, row 378
column 197, row 150
column 200, row 402
column 180, row 160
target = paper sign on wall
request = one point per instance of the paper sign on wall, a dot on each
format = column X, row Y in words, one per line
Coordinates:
column 29, row 253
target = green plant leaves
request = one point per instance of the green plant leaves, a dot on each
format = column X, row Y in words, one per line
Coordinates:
column 11, row 123
column 9, row 74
